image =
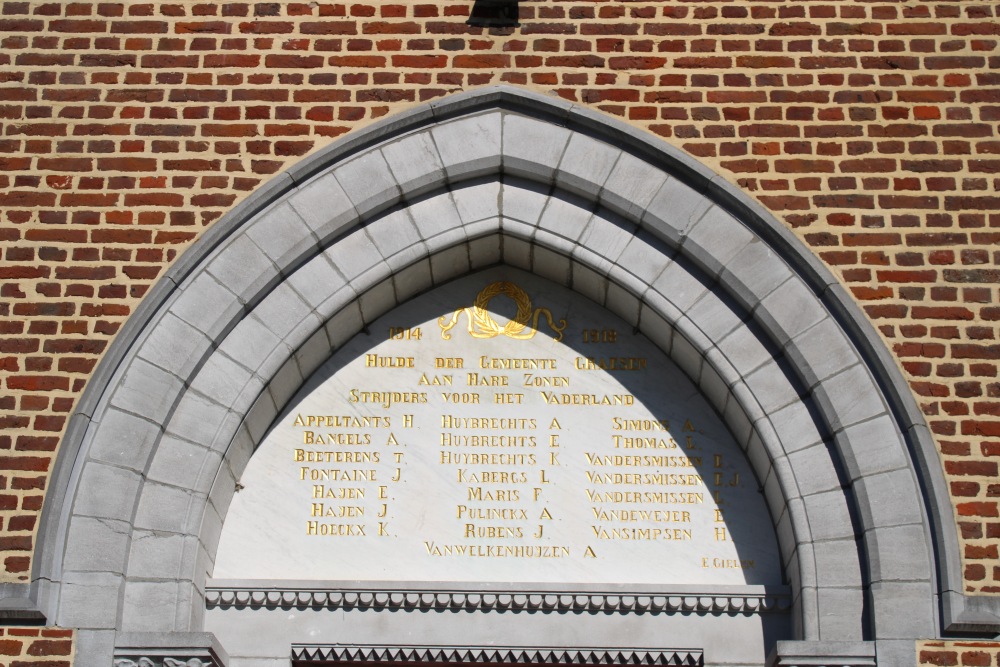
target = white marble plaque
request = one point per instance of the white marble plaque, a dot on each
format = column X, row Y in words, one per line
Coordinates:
column 500, row 429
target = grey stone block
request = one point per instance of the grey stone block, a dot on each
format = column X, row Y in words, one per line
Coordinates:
column 673, row 210
column 655, row 326
column 163, row 507
column 354, row 254
column 821, row 351
column 779, row 484
column 517, row 252
column 761, row 458
column 916, row 598
column 93, row 648
column 828, row 516
column 554, row 242
column 899, row 553
column 158, row 555
column 871, row 447
column 107, row 492
column 415, row 163
column 89, row 600
column 147, row 391
column 522, row 201
column 181, row 463
column 325, row 207
column 896, row 652
column 748, row 403
column 837, row 564
column 585, row 166
column 469, row 147
column 532, row 148
column 753, row 273
column 840, row 613
column 285, row 383
column 260, row 417
column 312, row 353
column 815, row 472
column 250, row 342
column 344, row 325
column 588, row 282
column 175, row 346
column 485, row 251
column 848, row 398
column 284, row 313
column 315, row 281
column 449, row 264
column 551, row 265
column 631, row 186
column 96, row 545
column 789, row 310
column 808, row 618
column 477, row 200
column 857, row 654
column 795, row 427
column 712, row 384
column 566, row 216
column 368, row 183
column 221, row 380
column 243, row 269
column 222, row 496
column 378, row 300
column 744, row 349
column 124, row 440
column 714, row 240
column 197, row 418
column 413, row 280
column 736, row 419
column 771, row 386
column 622, row 303
column 283, row 236
column 627, row 282
column 715, row 315
column 664, row 314
column 437, row 218
column 888, row 499
column 787, row 544
column 203, row 302
column 679, row 285
column 393, row 232
column 687, row 357
column 608, row 235
column 644, row 256
column 583, row 256
column 149, row 606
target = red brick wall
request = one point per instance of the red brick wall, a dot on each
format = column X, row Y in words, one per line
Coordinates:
column 966, row 654
column 869, row 127
column 36, row 647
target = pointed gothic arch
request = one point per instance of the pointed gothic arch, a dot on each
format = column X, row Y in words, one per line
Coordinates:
column 500, row 175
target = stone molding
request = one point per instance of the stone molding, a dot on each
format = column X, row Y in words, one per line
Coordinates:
column 826, row 424
column 823, row 654
column 199, row 649
column 374, row 654
column 669, row 602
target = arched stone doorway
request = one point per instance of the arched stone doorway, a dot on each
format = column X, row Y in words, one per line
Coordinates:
column 493, row 177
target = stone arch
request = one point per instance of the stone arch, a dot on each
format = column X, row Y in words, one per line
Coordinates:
column 500, row 176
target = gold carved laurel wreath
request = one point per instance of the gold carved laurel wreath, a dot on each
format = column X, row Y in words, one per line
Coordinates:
column 482, row 325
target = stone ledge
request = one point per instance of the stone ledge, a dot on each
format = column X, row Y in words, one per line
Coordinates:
column 822, row 654
column 506, row 655
column 169, row 649
column 406, row 598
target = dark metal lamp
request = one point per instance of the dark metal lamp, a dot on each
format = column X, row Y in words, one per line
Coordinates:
column 494, row 14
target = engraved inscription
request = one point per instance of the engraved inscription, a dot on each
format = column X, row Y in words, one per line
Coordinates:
column 552, row 454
